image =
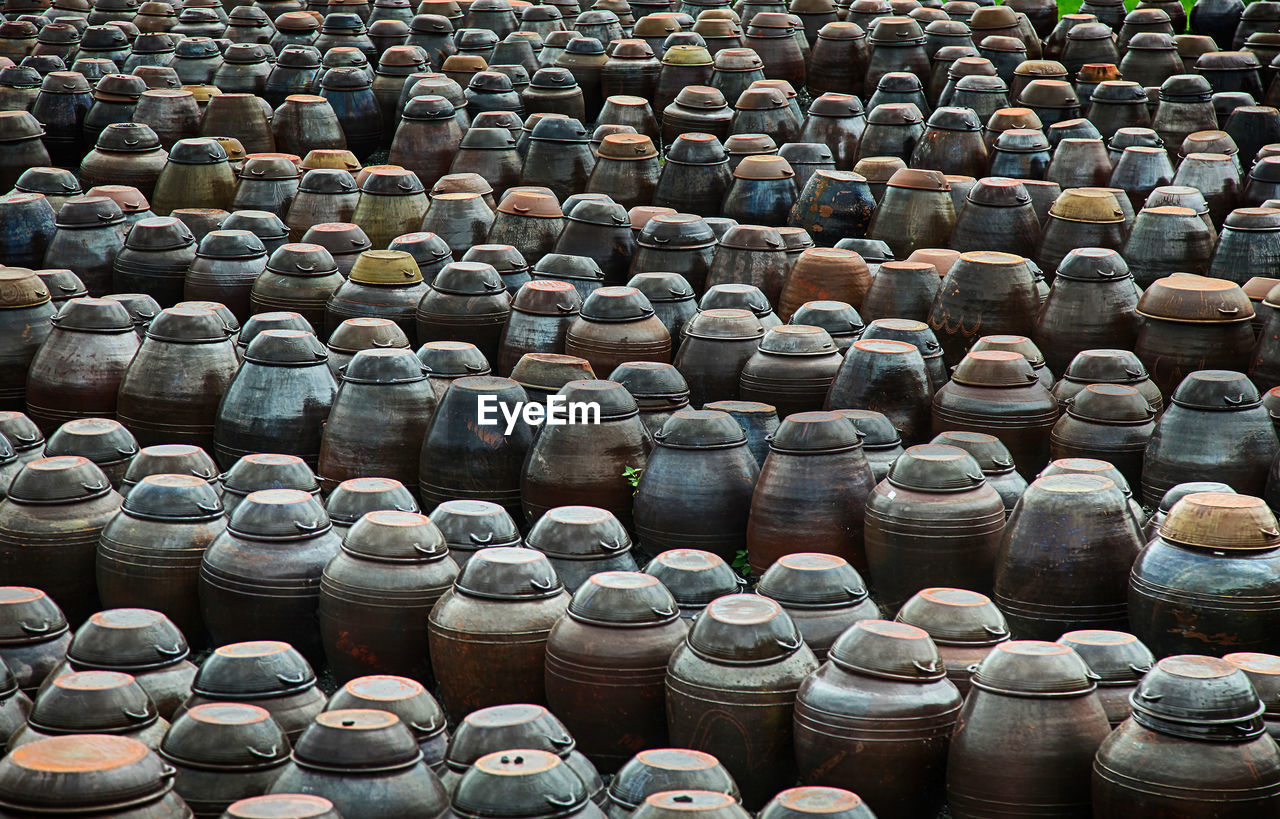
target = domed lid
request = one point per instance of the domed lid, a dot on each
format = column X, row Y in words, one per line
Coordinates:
column 468, row 279
column 80, row 771
column 507, row 573
column 838, row 318
column 661, row 770
column 506, row 726
column 602, row 211
column 279, row 514
column 1221, row 390
column 384, row 366
column 569, row 532
column 918, row 179
column 875, row 429
column 623, row 599
column 1032, row 668
column 28, row 615
column 58, row 480
column 283, row 806
column 813, row 580
column 894, row 651
column 1111, row 404
column 128, row 137
column 261, row 668
column 389, row 181
column 385, row 268
column 395, row 535
column 302, row 259
column 616, row 304
column 519, row 782
column 356, row 740
column 269, row 166
column 426, row 248
column 988, row 450
column 127, row 640
column 626, row 147
column 994, row 368
column 231, row 244
column 101, row 440
column 955, row 617
column 1221, row 521
column 746, row 144
column 936, row 468
column 189, row 324
column 1093, row 205
column 452, row 359
column 405, row 698
column 1119, row 92
column 699, row 429
column 998, row 192
column 1263, row 670
column 197, row 151
column 1115, row 656
column 1185, row 88
column 763, row 168
column 226, row 734
column 744, row 629
column 1105, row 366
column 1181, row 490
column 953, row 119
column 286, row 348
column 797, row 339
column 78, row 702
column 89, row 315
column 471, row 525
column 1094, row 264
column 89, row 212
column 166, row 497
column 810, row 800
column 1198, row 697
column 355, row 496
column 730, row 324
column 159, row 233
column 894, row 113
column 813, row 433
column 263, row 224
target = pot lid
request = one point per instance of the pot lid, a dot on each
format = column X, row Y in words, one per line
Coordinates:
column 505, row 726
column 955, row 617
column 813, row 580
column 579, row 532
column 1094, row 264
column 279, row 514
column 158, row 233
column 89, row 212
column 988, row 450
column 744, row 629
column 1091, row 205
column 1111, row 404
column 101, row 440
column 231, row 244
column 725, row 324
column 1194, row 696
column 1032, row 668
column 470, row 525
column 58, row 480
column 355, row 740
column 28, row 615
column 173, row 497
column 918, row 179
column 89, row 315
column 694, row 577
column 995, row 368
column 386, row 534
column 1105, row 366
column 355, row 496
column 405, row 698
column 517, row 783
column 386, row 268
column 288, row 348
column 452, row 359
column 616, row 304
column 623, row 599
column 226, row 735
column 936, row 468
column 261, row 668
column 1220, row 390
column 507, row 573
column 894, row 651
column 87, row 771
column 1181, row 490
column 838, row 318
column 1115, row 656
column 814, row 433
column 79, row 702
column 1263, row 670
column 128, row 640
column 700, row 429
column 1221, row 522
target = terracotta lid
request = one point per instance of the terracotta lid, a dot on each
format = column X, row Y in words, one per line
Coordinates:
column 841, row 31
column 627, row 147
column 750, row 144
column 1093, row 205
column 988, row 17
column 701, row 96
column 918, row 179
column 895, row 113
column 942, row 259
column 1195, row 299
column 753, row 237
column 879, row 169
column 1049, row 94
column 1214, row 520
column 995, row 368
column 1111, row 404
column 530, row 204
column 764, row 167
column 687, row 55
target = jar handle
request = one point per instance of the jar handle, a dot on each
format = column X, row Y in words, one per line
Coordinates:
column 309, row 526
column 94, row 487
column 169, row 652
column 481, row 540
column 562, row 741
column 1270, row 532
column 975, row 478
column 928, row 668
column 996, row 631
column 291, row 679
column 616, row 546
column 1234, row 402
column 1149, row 697
column 43, row 628
column 1140, row 669
column 544, row 585
column 1228, row 311
column 790, row 645
column 137, row 716
column 1107, row 274
column 1001, row 462
column 566, row 802
column 387, row 343
column 268, row 754
column 663, row 612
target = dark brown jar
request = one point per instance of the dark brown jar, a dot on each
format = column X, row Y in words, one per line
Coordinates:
column 488, row 634
column 933, row 520
column 787, row 501
column 963, row 624
column 517, row 785
column 33, row 635
column 877, row 716
column 381, row 284
column 288, row 531
column 77, row 371
column 149, row 554
column 266, row 673
column 1066, row 520
column 717, row 345
column 1215, row 429
column 607, row 662
column 300, row 278
column 409, row 701
column 25, row 314
column 792, row 369
column 376, row 593
column 1110, row 422
column 615, row 325
column 997, row 392
column 582, row 463
column 49, row 527
column 466, row 302
column 1196, row 735
column 1206, row 582
column 657, row 770
column 1119, row 659
column 1193, row 323
column 1044, row 770
column 697, row 486
column 822, row 593
column 731, row 690
column 223, row 752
